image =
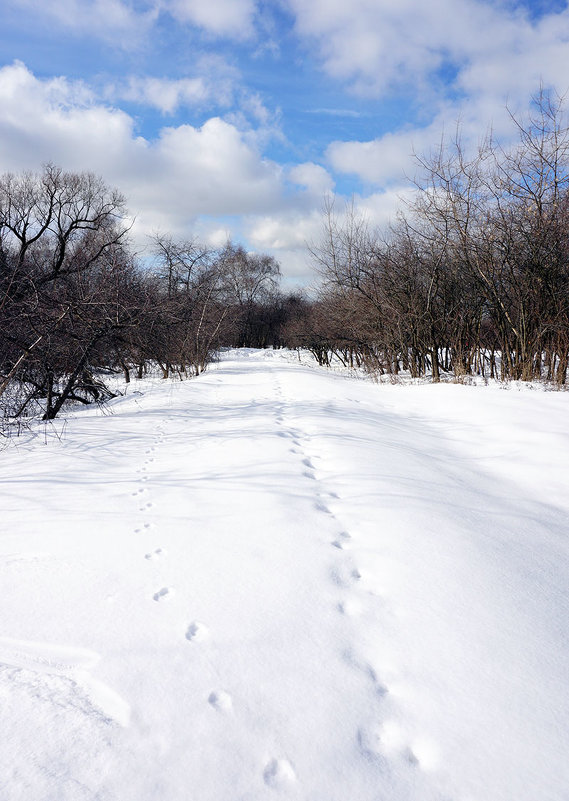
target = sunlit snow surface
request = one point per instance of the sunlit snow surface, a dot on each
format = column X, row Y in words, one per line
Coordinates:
column 277, row 582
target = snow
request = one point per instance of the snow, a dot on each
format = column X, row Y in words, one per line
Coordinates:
column 277, row 582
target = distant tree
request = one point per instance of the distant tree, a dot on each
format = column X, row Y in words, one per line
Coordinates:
column 192, row 316
column 251, row 283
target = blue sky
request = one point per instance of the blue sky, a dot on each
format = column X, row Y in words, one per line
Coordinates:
column 237, row 118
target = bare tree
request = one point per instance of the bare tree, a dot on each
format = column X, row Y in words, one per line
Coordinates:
column 58, row 231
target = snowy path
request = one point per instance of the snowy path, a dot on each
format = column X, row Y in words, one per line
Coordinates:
column 273, row 582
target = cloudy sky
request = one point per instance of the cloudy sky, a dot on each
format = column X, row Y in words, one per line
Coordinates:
column 237, row 118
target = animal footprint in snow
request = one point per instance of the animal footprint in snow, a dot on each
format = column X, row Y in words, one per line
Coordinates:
column 424, row 754
column 342, row 541
column 371, row 742
column 155, row 554
column 386, row 739
column 164, row 594
column 351, row 607
column 197, row 632
column 344, row 576
column 279, row 773
column 146, row 506
column 221, row 701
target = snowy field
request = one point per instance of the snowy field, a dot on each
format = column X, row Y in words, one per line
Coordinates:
column 273, row 582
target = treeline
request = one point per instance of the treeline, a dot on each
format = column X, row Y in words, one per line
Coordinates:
column 76, row 304
column 473, row 278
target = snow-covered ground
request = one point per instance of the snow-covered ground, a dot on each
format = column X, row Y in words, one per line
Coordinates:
column 276, row 582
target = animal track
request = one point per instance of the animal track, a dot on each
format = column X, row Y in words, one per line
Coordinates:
column 345, row 576
column 163, row 594
column 423, row 753
column 350, row 607
column 197, row 632
column 342, row 540
column 342, row 544
column 370, row 742
column 221, row 701
column 155, row 554
column 389, row 739
column 279, row 773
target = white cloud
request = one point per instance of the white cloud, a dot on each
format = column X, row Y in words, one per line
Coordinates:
column 112, row 20
column 285, row 231
column 376, row 46
column 212, row 170
column 162, row 93
column 380, row 209
column 231, row 18
column 127, row 23
column 380, row 161
column 313, row 177
column 394, row 158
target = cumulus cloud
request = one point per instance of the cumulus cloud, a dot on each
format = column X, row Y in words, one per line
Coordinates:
column 231, row 18
column 316, row 180
column 164, row 94
column 214, row 83
column 379, row 161
column 375, row 46
column 285, row 231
